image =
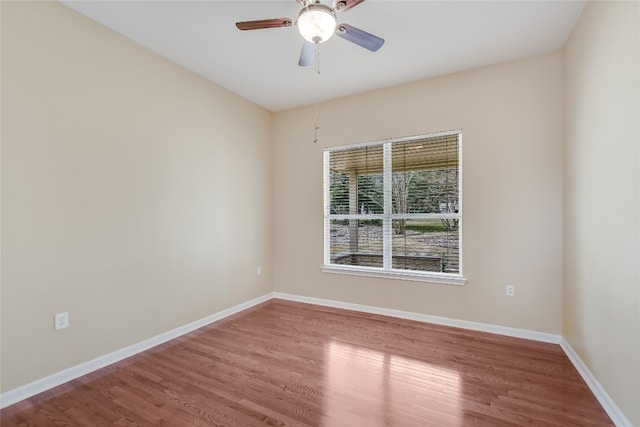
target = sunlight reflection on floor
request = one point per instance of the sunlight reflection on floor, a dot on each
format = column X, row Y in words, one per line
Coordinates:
column 368, row 387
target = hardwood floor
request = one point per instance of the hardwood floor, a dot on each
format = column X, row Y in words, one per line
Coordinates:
column 286, row 363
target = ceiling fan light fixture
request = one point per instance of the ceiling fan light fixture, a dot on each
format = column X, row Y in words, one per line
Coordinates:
column 317, row 23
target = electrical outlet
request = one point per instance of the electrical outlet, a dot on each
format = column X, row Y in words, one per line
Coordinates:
column 511, row 290
column 61, row 321
column 258, row 271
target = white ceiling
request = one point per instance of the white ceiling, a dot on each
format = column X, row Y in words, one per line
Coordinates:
column 423, row 39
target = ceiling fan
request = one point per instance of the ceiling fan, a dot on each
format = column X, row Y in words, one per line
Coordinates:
column 317, row 22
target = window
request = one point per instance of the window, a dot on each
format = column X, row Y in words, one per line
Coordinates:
column 393, row 208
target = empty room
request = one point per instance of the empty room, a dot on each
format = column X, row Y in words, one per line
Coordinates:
column 320, row 213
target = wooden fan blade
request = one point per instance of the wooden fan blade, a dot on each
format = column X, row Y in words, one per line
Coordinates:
column 264, row 23
column 344, row 5
column 308, row 54
column 359, row 37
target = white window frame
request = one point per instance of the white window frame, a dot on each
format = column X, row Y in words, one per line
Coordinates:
column 387, row 271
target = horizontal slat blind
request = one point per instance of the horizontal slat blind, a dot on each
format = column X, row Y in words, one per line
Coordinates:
column 420, row 229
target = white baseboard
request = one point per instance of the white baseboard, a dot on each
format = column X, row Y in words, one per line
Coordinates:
column 598, row 391
column 24, row 392
column 601, row 395
column 445, row 321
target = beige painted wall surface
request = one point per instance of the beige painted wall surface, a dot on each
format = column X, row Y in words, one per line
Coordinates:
column 511, row 116
column 135, row 194
column 601, row 186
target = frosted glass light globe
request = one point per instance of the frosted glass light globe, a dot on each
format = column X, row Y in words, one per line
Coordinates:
column 317, row 23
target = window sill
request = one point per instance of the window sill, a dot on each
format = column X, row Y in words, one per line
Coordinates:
column 420, row 276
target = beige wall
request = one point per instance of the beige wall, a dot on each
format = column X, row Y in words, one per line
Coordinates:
column 117, row 201
column 511, row 116
column 601, row 187
column 135, row 194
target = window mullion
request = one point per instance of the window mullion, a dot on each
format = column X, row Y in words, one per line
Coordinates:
column 387, row 230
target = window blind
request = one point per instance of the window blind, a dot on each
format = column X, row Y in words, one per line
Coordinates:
column 395, row 204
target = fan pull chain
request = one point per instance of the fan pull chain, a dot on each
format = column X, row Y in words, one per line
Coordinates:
column 317, row 84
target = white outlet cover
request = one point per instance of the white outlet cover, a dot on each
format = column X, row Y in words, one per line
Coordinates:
column 61, row 321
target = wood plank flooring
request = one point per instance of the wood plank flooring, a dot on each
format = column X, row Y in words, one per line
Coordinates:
column 286, row 363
